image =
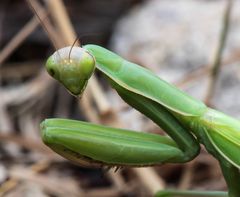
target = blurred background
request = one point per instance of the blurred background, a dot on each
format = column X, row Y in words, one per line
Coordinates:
column 181, row 41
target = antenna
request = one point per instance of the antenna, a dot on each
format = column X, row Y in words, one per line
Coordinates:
column 75, row 41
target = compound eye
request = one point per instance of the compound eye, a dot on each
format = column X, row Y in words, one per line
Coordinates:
column 52, row 68
column 51, row 72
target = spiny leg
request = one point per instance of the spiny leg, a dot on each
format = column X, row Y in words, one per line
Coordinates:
column 88, row 144
column 186, row 142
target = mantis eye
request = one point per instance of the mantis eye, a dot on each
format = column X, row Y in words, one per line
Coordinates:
column 51, row 72
column 52, row 68
column 72, row 70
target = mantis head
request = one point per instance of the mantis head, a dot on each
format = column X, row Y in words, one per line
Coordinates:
column 71, row 66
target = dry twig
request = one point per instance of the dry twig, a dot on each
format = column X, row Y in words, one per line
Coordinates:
column 218, row 57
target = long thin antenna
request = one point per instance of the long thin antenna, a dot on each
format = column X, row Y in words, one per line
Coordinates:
column 42, row 23
column 75, row 41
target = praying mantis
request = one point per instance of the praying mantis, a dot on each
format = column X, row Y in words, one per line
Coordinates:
column 187, row 121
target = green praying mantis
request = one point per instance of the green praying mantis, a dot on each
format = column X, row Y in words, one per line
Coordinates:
column 187, row 121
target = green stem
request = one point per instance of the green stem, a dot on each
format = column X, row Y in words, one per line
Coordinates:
column 174, row 193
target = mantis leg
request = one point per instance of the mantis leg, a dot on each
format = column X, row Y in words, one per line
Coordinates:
column 232, row 177
column 216, row 136
column 91, row 145
column 162, row 117
column 95, row 144
column 230, row 172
